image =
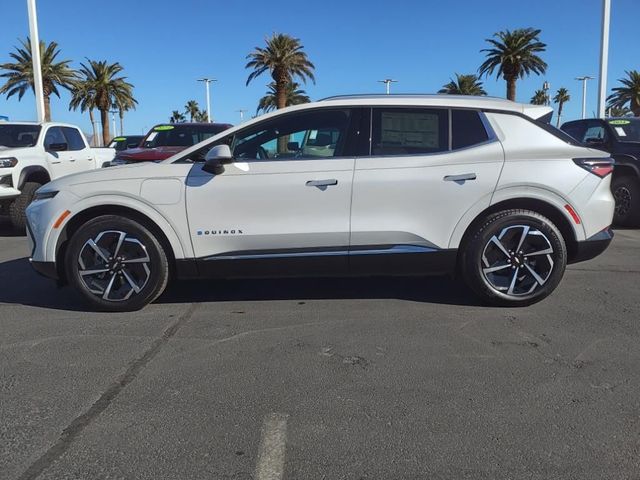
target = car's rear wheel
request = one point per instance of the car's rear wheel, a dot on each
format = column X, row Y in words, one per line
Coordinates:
column 626, row 191
column 116, row 263
column 514, row 258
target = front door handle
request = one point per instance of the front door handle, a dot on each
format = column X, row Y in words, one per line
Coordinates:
column 321, row 183
column 460, row 178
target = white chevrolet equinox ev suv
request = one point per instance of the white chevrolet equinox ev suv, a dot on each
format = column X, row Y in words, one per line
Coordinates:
column 353, row 185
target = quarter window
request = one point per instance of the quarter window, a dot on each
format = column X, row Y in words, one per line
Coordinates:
column 319, row 134
column 467, row 129
column 74, row 139
column 410, row 131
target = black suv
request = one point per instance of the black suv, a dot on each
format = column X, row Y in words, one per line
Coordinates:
column 621, row 138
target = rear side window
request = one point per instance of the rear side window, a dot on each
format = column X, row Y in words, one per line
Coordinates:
column 576, row 130
column 409, row 131
column 467, row 129
column 74, row 139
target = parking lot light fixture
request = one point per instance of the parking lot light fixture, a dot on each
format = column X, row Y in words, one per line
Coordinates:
column 584, row 80
column 207, row 81
column 388, row 82
column 35, row 58
column 241, row 111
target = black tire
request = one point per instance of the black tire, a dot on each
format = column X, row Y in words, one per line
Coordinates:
column 509, row 286
column 626, row 191
column 18, row 208
column 150, row 277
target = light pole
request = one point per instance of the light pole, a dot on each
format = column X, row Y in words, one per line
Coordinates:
column 241, row 112
column 388, row 82
column 207, row 81
column 35, row 58
column 604, row 57
column 584, row 80
column 113, row 120
column 545, row 88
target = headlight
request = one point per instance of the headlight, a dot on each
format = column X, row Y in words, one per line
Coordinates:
column 8, row 162
column 44, row 195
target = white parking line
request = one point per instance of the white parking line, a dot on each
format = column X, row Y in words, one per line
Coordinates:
column 272, row 447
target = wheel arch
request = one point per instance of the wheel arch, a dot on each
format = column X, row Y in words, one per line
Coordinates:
column 162, row 230
column 33, row 173
column 559, row 218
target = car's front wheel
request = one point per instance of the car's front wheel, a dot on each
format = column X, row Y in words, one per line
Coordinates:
column 626, row 191
column 514, row 258
column 116, row 263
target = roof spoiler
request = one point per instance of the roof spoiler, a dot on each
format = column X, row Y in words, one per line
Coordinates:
column 540, row 113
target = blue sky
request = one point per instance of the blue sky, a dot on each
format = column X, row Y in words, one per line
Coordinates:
column 166, row 45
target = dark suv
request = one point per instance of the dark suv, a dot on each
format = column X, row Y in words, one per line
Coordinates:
column 621, row 138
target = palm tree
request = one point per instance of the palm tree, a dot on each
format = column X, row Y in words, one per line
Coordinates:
column 628, row 94
column 285, row 59
column 619, row 111
column 177, row 117
column 294, row 96
column 83, row 99
column 514, row 54
column 54, row 73
column 124, row 104
column 200, row 116
column 192, row 109
column 539, row 98
column 463, row 85
column 562, row 96
column 105, row 89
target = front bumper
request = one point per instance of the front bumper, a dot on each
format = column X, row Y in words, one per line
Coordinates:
column 592, row 246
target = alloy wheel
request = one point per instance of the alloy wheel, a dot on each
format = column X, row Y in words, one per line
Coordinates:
column 114, row 265
column 517, row 260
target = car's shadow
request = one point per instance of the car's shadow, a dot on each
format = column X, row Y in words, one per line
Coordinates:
column 22, row 285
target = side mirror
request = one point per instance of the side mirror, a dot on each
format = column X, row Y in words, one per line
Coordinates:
column 293, row 146
column 216, row 158
column 57, row 147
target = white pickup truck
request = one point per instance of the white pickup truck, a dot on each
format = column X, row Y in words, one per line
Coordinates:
column 32, row 154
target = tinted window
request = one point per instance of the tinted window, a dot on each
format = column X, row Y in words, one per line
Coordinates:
column 595, row 132
column 319, row 134
column 576, row 130
column 54, row 135
column 181, row 135
column 626, row 130
column 15, row 136
column 467, row 129
column 74, row 139
column 409, row 131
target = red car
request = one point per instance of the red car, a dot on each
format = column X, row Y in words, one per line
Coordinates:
column 167, row 139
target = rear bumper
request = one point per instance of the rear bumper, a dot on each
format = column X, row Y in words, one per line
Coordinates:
column 592, row 246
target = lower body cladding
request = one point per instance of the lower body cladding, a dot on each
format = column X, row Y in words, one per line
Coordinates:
column 378, row 260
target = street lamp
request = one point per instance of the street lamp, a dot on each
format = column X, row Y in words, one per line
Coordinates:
column 584, row 80
column 207, row 81
column 113, row 120
column 545, row 88
column 35, row 58
column 604, row 57
column 241, row 112
column 388, row 82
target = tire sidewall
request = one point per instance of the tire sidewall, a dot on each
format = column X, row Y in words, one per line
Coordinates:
column 632, row 184
column 158, row 264
column 494, row 225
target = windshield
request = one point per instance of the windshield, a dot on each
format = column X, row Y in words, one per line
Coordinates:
column 180, row 135
column 627, row 130
column 16, row 136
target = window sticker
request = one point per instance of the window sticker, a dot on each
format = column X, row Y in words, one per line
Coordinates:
column 619, row 122
column 163, row 128
column 151, row 136
column 119, row 139
column 620, row 131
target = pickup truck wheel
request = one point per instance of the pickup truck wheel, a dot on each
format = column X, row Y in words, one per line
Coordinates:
column 514, row 258
column 116, row 263
column 626, row 191
column 17, row 208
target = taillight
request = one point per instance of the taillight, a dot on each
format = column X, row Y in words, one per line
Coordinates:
column 598, row 166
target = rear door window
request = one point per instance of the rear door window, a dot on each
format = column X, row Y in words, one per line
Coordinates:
column 467, row 129
column 410, row 131
column 74, row 139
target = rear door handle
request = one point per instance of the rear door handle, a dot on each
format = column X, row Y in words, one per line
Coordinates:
column 460, row 178
column 321, row 183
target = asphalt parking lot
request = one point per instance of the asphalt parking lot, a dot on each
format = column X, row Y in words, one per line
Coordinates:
column 323, row 379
